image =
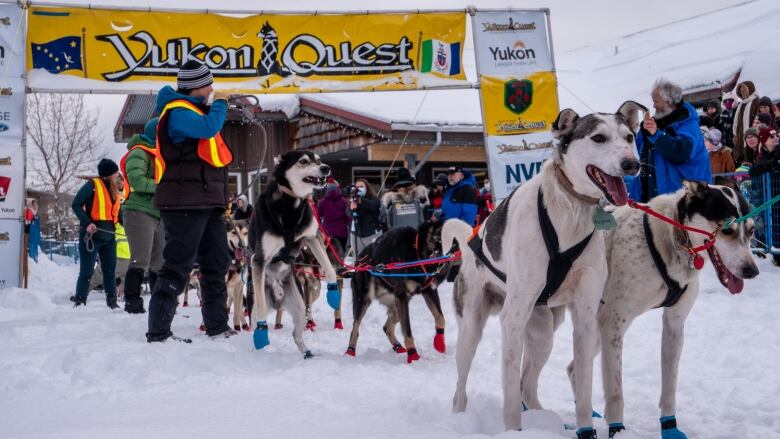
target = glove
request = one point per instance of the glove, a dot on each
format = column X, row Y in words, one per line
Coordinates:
column 260, row 336
column 221, row 94
column 334, row 295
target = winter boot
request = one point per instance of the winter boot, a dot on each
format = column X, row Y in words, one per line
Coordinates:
column 111, row 302
column 76, row 301
column 227, row 333
column 134, row 304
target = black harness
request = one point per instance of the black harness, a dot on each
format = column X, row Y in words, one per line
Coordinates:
column 560, row 262
column 674, row 291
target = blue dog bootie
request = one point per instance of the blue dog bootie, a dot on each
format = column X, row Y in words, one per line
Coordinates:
column 586, row 433
column 334, row 295
column 260, row 336
column 615, row 428
column 669, row 429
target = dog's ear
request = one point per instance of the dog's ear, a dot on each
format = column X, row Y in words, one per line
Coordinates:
column 696, row 188
column 564, row 124
column 630, row 112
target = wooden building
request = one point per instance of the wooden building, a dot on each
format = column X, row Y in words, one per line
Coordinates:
column 356, row 142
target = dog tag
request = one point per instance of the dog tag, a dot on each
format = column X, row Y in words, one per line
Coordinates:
column 603, row 220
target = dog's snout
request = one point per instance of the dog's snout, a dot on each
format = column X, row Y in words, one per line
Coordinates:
column 749, row 271
column 630, row 166
column 325, row 169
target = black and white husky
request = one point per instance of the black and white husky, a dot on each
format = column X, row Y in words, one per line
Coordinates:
column 536, row 249
column 283, row 220
column 650, row 267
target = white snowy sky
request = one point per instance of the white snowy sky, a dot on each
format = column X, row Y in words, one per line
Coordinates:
column 575, row 23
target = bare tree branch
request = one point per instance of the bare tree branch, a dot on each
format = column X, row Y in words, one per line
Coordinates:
column 64, row 132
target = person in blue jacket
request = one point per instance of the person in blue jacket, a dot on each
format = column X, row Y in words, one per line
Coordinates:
column 670, row 145
column 460, row 196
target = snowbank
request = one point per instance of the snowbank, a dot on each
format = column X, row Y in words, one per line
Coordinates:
column 88, row 373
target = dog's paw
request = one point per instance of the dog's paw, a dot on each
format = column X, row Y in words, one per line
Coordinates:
column 350, row 351
column 202, row 328
column 338, row 325
column 412, row 355
column 307, row 355
column 615, row 428
column 260, row 336
column 278, row 326
column 237, row 327
column 334, row 296
column 311, row 325
column 669, row 428
column 185, row 304
column 245, row 327
column 399, row 349
column 438, row 341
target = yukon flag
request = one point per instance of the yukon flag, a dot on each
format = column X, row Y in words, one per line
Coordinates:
column 440, row 57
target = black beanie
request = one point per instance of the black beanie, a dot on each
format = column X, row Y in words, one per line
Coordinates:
column 193, row 75
column 765, row 101
column 107, row 167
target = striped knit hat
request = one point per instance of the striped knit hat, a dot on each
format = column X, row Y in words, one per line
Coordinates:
column 193, row 75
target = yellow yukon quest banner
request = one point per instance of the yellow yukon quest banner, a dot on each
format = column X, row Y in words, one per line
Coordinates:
column 113, row 50
column 519, row 105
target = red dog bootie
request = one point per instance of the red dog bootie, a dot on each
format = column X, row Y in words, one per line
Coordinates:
column 311, row 325
column 350, row 351
column 202, row 328
column 278, row 326
column 245, row 327
column 438, row 341
column 399, row 349
column 237, row 328
column 338, row 325
column 412, row 355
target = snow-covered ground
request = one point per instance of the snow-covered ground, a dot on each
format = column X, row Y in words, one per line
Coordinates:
column 89, row 373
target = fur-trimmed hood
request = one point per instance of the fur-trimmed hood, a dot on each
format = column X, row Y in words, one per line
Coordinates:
column 406, row 195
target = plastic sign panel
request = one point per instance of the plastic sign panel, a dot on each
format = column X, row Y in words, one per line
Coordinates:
column 92, row 49
column 11, row 73
column 516, row 159
column 512, row 43
column 515, row 105
column 11, row 182
column 10, row 252
column 518, row 94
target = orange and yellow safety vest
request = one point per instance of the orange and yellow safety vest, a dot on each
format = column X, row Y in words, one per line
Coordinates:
column 103, row 207
column 213, row 151
column 159, row 168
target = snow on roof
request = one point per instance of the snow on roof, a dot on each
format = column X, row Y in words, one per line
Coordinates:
column 287, row 104
column 695, row 52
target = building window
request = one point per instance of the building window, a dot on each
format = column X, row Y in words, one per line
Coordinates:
column 234, row 183
column 257, row 185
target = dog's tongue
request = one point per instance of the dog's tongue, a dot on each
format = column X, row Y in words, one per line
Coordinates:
column 617, row 189
column 735, row 284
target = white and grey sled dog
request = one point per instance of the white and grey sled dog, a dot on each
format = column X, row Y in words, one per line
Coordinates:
column 283, row 220
column 536, row 249
column 650, row 266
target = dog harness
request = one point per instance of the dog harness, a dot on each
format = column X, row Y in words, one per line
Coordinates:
column 674, row 291
column 560, row 262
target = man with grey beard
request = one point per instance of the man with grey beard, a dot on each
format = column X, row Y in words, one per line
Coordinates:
column 670, row 145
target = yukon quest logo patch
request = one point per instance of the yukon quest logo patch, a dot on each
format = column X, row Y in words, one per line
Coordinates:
column 518, row 95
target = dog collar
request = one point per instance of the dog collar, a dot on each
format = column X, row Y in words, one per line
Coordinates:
column 566, row 183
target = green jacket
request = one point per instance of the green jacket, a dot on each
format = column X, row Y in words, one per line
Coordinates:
column 139, row 167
